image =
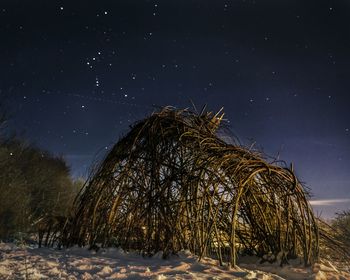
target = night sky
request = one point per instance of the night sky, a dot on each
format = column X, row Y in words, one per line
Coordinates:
column 76, row 74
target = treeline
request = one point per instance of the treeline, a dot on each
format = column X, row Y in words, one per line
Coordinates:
column 33, row 184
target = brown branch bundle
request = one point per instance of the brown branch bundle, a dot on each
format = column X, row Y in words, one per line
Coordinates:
column 172, row 183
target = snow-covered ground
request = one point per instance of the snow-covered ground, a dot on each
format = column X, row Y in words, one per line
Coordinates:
column 23, row 262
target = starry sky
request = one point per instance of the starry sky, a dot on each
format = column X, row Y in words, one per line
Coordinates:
column 76, row 74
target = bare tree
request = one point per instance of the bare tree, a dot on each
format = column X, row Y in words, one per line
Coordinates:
column 33, row 183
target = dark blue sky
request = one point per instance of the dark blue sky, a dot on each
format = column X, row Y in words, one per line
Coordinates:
column 76, row 74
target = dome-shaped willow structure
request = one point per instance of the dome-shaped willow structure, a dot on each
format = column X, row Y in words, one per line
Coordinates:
column 172, row 183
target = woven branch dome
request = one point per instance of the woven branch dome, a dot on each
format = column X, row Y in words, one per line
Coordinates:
column 172, row 183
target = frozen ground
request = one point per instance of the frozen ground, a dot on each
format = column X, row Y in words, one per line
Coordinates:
column 78, row 263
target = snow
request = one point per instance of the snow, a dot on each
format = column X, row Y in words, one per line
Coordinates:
column 24, row 262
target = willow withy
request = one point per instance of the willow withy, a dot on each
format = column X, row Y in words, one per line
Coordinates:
column 174, row 183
